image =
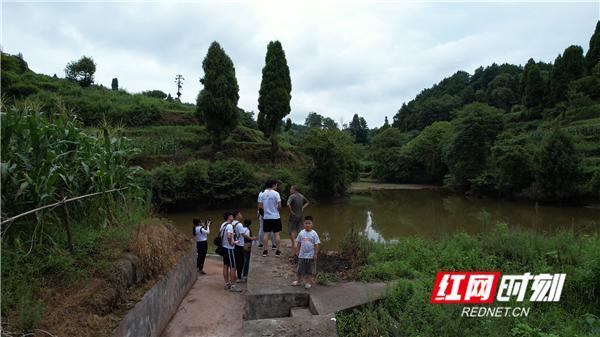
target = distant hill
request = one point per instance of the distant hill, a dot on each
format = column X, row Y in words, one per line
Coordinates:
column 91, row 104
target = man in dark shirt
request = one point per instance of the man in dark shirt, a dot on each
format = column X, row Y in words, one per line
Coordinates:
column 296, row 204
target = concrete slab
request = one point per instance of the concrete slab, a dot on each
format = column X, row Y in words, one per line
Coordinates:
column 314, row 326
column 344, row 295
column 300, row 312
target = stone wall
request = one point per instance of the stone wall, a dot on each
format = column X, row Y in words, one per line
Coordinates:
column 153, row 312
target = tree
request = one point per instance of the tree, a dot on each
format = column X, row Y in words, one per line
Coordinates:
column 217, row 102
column 114, row 84
column 358, row 128
column 533, row 86
column 246, row 119
column 155, row 94
column 425, row 153
column 81, row 71
column 329, row 124
column 475, row 129
column 558, row 165
column 386, row 123
column 288, row 125
column 169, row 98
column 260, row 121
column 275, row 91
column 568, row 67
column 511, row 163
column 314, row 120
column 593, row 54
column 334, row 161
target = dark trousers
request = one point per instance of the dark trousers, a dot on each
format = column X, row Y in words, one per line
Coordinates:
column 239, row 260
column 246, row 263
column 202, row 248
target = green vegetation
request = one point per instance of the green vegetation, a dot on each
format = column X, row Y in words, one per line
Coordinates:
column 405, row 311
column 217, row 102
column 525, row 132
column 81, row 71
column 92, row 104
column 46, row 157
column 275, row 91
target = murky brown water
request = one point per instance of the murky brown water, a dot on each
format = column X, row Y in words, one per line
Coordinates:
column 386, row 215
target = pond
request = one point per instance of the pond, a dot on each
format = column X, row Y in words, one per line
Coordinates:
column 431, row 213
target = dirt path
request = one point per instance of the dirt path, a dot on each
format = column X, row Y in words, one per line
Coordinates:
column 208, row 310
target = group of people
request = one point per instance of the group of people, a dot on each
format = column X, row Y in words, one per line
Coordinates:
column 234, row 241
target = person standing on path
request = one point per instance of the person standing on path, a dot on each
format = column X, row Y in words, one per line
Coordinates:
column 228, row 244
column 307, row 251
column 296, row 204
column 201, row 232
column 238, row 235
column 248, row 238
column 261, row 213
column 270, row 202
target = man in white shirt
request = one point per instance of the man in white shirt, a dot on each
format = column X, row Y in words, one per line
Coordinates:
column 270, row 202
column 261, row 213
column 228, row 244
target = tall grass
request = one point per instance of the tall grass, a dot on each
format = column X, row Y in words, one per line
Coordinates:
column 406, row 311
column 45, row 158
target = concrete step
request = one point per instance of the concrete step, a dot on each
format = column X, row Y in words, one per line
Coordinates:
column 300, row 312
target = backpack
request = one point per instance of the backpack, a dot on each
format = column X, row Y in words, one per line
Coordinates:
column 218, row 241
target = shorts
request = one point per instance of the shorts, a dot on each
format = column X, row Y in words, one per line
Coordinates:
column 294, row 224
column 228, row 257
column 307, row 267
column 271, row 225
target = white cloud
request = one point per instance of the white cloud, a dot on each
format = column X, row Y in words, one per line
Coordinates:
column 344, row 57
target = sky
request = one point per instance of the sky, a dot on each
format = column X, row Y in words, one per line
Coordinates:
column 344, row 57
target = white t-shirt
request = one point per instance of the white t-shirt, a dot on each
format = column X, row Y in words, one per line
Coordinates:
column 270, row 199
column 201, row 233
column 238, row 229
column 228, row 229
column 307, row 241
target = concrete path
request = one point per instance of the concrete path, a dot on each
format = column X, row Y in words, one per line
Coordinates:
column 208, row 310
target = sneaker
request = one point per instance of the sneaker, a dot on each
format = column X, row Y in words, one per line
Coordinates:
column 295, row 283
column 201, row 272
column 227, row 286
column 307, row 286
column 265, row 253
column 277, row 253
column 273, row 247
column 235, row 289
column 240, row 280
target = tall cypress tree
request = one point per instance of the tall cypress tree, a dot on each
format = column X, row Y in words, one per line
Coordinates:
column 275, row 90
column 216, row 105
column 114, row 84
column 533, row 86
column 568, row 67
column 593, row 54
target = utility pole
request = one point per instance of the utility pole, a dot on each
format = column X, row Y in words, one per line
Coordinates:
column 179, row 80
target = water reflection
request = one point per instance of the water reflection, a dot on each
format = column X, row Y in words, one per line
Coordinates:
column 388, row 215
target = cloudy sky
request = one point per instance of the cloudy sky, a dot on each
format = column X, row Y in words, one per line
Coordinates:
column 345, row 58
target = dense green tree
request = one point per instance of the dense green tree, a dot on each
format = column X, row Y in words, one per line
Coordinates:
column 384, row 151
column 314, row 120
column 275, row 89
column 475, row 129
column 23, row 67
column 334, row 161
column 512, row 163
column 558, row 165
column 216, row 105
column 359, row 129
column 81, row 71
column 567, row 67
column 288, row 125
column 329, row 124
column 155, row 93
column 246, row 118
column 169, row 98
column 386, row 123
column 533, row 86
column 426, row 153
column 593, row 54
column 114, row 85
column 260, row 121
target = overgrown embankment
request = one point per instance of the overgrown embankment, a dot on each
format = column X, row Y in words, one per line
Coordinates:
column 60, row 265
column 414, row 262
